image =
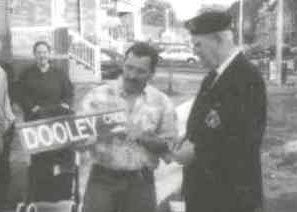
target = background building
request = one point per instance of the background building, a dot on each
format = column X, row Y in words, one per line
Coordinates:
column 66, row 25
column 5, row 52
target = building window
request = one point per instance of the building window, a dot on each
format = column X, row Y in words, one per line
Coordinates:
column 14, row 5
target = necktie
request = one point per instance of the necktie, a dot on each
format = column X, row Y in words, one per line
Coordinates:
column 199, row 104
column 211, row 78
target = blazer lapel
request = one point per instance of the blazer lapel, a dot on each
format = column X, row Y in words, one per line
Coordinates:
column 225, row 78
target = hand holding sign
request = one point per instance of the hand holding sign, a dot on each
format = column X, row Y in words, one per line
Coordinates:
column 153, row 142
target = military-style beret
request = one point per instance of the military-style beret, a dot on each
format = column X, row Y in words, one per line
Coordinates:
column 209, row 22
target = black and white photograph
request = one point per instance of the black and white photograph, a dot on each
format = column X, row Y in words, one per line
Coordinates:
column 148, row 105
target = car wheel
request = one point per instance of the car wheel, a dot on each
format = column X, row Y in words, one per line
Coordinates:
column 191, row 61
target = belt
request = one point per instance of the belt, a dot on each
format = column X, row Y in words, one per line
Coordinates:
column 99, row 169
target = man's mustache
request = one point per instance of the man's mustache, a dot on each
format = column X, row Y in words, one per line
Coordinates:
column 133, row 80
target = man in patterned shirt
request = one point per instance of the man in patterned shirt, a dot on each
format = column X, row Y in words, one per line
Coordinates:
column 121, row 177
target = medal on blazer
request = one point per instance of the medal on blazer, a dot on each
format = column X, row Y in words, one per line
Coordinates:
column 213, row 119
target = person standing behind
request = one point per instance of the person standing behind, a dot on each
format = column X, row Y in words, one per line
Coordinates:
column 150, row 126
column 46, row 92
column 226, row 123
column 44, row 88
column 6, row 122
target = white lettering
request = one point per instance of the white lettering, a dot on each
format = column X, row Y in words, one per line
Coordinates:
column 60, row 133
column 55, row 134
column 30, row 138
column 92, row 124
column 114, row 118
column 71, row 136
column 80, row 125
column 45, row 135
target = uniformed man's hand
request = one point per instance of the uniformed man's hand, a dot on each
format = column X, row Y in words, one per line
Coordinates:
column 177, row 144
column 153, row 142
column 185, row 153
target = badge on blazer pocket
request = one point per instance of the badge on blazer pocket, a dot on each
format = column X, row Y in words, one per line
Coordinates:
column 213, row 119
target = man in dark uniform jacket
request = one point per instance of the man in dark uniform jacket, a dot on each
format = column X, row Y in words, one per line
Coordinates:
column 226, row 123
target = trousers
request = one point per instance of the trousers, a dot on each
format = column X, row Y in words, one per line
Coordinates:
column 119, row 191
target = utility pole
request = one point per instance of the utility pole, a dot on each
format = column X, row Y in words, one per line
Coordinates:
column 58, row 8
column 240, row 28
column 137, row 20
column 279, row 41
column 5, row 34
column 167, row 21
column 168, row 31
column 98, row 32
column 79, row 17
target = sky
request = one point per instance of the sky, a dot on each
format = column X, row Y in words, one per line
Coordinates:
column 187, row 8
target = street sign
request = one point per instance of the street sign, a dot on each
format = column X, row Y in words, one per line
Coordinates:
column 56, row 133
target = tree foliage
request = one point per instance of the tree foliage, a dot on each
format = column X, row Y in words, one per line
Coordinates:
column 250, row 17
column 154, row 13
column 292, row 4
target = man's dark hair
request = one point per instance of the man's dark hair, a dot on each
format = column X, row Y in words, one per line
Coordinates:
column 38, row 43
column 143, row 49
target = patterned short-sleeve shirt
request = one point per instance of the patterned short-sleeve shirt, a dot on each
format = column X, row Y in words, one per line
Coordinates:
column 151, row 111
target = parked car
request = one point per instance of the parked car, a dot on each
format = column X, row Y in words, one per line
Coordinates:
column 111, row 63
column 179, row 54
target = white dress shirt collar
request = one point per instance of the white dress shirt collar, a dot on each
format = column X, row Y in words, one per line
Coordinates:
column 220, row 70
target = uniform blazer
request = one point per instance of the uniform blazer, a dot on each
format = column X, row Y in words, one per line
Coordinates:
column 229, row 153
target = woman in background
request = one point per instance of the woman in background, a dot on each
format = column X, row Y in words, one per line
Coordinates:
column 47, row 92
column 45, row 89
